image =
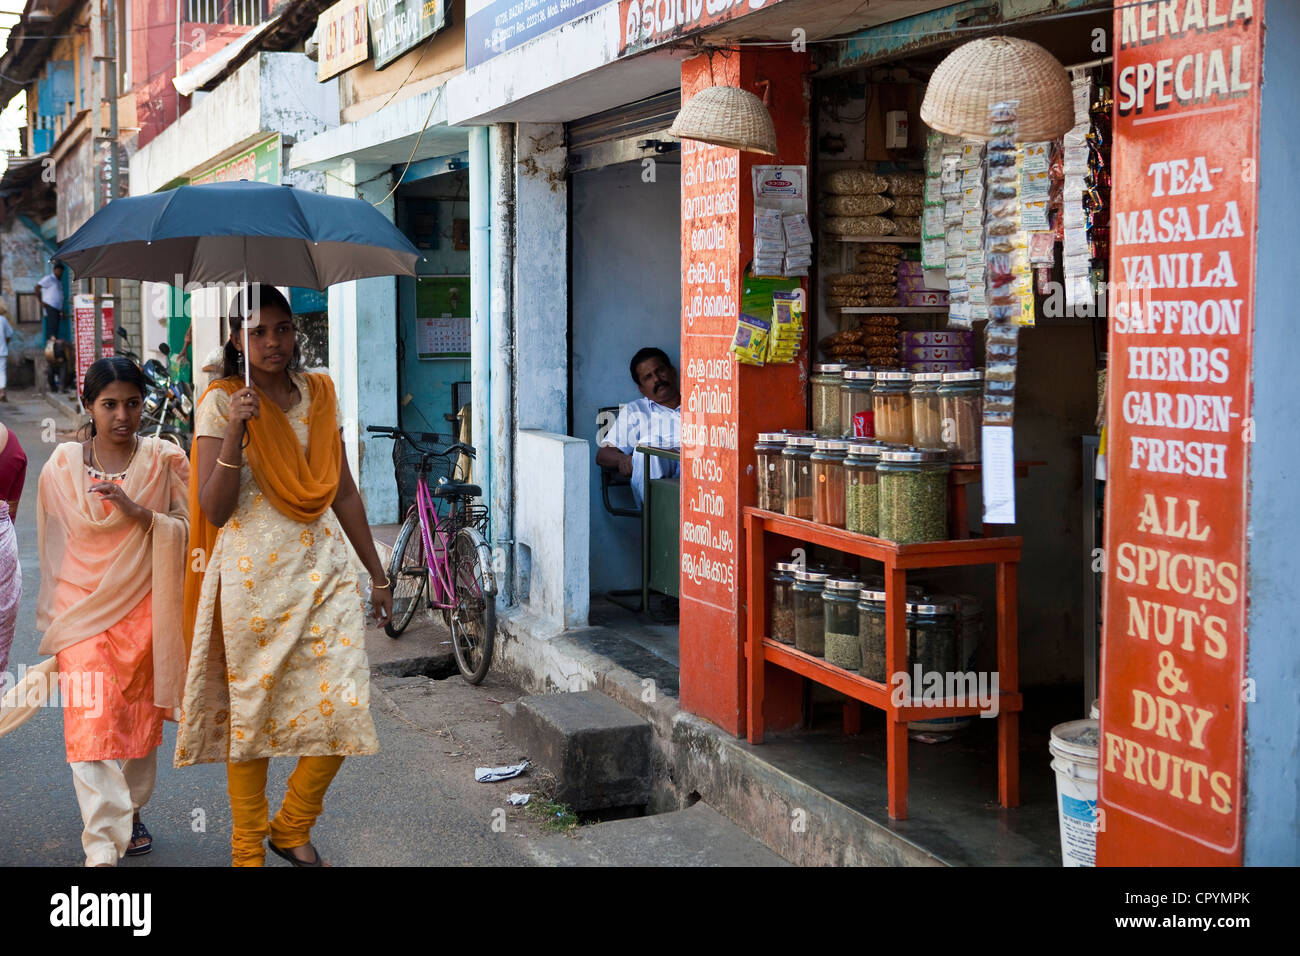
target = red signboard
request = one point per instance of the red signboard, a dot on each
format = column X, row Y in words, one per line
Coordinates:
column 1187, row 85
column 83, row 320
column 711, row 290
column 647, row 23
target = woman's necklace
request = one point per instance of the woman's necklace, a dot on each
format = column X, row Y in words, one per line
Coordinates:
column 103, row 473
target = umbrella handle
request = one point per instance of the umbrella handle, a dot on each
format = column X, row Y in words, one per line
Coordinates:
column 248, row 302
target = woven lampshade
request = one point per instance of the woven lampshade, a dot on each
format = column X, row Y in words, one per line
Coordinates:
column 727, row 116
column 981, row 73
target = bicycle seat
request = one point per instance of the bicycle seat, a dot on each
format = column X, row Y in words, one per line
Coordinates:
column 454, row 489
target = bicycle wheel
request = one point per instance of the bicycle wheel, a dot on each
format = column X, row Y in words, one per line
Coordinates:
column 407, row 575
column 474, row 618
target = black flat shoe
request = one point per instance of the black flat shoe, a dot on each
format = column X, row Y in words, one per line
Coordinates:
column 137, row 831
column 288, row 855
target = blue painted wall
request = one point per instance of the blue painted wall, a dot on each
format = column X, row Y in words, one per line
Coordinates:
column 1273, row 720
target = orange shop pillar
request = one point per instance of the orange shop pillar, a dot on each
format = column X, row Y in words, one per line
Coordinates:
column 725, row 405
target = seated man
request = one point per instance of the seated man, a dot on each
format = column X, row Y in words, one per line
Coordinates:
column 654, row 419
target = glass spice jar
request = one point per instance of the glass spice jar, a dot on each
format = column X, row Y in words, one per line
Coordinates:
column 872, row 634
column 769, row 474
column 840, row 643
column 809, row 616
column 933, row 635
column 826, row 399
column 961, row 400
column 861, row 498
column 970, row 616
column 828, row 481
column 780, row 582
column 927, row 411
column 798, row 483
column 913, row 488
column 857, row 415
column 891, row 404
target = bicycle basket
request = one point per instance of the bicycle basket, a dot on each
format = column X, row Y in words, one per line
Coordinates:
column 406, row 463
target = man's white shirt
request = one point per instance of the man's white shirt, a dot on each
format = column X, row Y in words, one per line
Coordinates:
column 51, row 291
column 645, row 422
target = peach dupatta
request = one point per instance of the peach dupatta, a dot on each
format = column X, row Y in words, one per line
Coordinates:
column 116, row 563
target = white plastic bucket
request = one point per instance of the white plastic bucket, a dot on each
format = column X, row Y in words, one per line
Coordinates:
column 1095, row 712
column 1074, row 746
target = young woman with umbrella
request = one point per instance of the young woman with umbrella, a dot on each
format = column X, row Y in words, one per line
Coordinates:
column 278, row 664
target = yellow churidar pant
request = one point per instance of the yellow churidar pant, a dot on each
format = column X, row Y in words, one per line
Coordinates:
column 303, row 803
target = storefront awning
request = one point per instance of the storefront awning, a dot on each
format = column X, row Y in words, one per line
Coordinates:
column 196, row 76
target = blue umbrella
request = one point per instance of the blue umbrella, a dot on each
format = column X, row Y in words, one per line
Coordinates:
column 238, row 232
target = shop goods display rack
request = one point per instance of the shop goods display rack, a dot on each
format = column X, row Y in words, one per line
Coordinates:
column 762, row 527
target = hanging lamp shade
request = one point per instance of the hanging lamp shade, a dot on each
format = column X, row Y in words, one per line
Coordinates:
column 981, row 73
column 727, row 116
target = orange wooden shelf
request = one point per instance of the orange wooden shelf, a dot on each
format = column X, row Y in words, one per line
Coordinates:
column 1002, row 552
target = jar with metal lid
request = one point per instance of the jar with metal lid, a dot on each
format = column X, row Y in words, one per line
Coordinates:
column 828, row 481
column 780, row 585
column 857, row 415
column 933, row 635
column 891, row 404
column 826, row 399
column 798, row 482
column 861, row 501
column 841, row 644
column 809, row 615
column 927, row 412
column 769, row 474
column 872, row 636
column 913, row 488
column 961, row 407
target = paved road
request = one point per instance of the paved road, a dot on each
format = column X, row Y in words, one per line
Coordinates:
column 414, row 804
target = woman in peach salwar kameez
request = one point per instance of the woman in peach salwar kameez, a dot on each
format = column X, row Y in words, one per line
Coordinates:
column 112, row 524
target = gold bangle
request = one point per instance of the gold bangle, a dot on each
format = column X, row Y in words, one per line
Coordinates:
column 226, row 464
column 381, row 587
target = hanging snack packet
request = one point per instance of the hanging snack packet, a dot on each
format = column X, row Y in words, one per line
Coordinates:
column 749, row 344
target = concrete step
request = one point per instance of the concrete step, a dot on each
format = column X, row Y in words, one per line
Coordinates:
column 696, row 836
column 598, row 751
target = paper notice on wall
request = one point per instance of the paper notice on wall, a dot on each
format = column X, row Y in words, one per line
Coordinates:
column 999, row 478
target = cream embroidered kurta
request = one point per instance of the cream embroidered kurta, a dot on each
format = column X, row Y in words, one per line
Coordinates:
column 284, row 671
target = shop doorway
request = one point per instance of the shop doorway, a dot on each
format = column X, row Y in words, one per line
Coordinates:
column 625, row 294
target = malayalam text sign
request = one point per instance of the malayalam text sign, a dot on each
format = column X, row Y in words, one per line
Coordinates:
column 647, row 23
column 1183, row 228
column 83, row 331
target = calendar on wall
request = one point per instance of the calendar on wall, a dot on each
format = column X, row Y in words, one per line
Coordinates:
column 442, row 317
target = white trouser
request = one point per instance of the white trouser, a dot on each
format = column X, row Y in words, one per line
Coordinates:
column 109, row 792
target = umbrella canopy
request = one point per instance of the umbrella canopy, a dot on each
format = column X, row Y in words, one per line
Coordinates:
column 235, row 232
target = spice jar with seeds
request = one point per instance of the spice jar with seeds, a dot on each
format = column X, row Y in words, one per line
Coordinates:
column 970, row 617
column 913, row 488
column 861, row 500
column 857, row 416
column 780, row 582
column 933, row 635
column 809, row 617
column 796, row 459
column 826, row 399
column 871, row 634
column 769, row 473
column 828, row 481
column 891, row 403
column 927, row 411
column 841, row 644
column 961, row 399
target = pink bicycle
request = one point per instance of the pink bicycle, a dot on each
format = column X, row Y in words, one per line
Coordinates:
column 443, row 562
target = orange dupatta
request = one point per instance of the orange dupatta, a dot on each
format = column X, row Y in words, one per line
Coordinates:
column 298, row 486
